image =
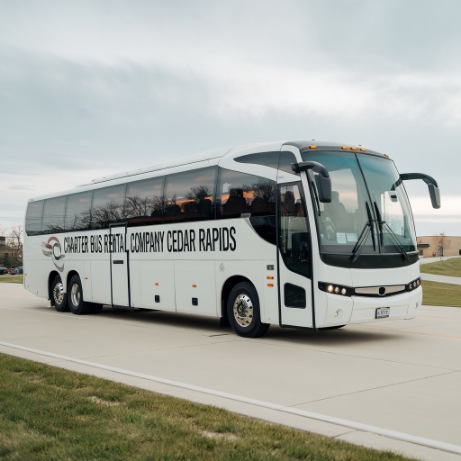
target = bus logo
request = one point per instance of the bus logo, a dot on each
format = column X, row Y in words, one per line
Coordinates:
column 52, row 248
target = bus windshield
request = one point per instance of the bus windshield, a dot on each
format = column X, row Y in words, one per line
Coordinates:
column 369, row 212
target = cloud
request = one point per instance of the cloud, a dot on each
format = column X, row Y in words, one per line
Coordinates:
column 96, row 87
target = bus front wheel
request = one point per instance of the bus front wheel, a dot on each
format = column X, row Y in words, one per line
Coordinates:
column 243, row 311
column 75, row 296
column 59, row 298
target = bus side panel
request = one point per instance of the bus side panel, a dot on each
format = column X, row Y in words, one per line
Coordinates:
column 36, row 277
column 196, row 287
column 269, row 295
column 37, row 267
column 152, row 283
column 100, row 281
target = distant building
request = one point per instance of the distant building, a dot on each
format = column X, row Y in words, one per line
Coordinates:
column 439, row 245
column 4, row 252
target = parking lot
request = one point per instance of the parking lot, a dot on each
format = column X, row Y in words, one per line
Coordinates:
column 390, row 385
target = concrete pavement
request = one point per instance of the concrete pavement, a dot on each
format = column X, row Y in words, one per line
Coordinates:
column 389, row 385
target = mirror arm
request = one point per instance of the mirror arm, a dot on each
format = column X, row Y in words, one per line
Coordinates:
column 431, row 184
column 316, row 166
column 324, row 177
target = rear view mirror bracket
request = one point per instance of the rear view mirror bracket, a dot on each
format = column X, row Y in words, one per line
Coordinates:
column 432, row 185
column 322, row 180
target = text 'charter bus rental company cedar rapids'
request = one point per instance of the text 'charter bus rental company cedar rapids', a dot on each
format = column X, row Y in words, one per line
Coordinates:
column 292, row 234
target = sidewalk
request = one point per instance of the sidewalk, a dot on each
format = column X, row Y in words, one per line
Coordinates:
column 439, row 278
column 435, row 259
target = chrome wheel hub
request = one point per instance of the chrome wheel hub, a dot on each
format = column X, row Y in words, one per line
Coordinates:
column 58, row 293
column 75, row 295
column 243, row 310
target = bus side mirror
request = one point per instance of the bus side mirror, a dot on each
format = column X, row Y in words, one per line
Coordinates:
column 434, row 193
column 432, row 185
column 324, row 188
column 322, row 179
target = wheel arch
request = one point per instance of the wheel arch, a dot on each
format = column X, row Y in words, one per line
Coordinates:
column 227, row 287
column 70, row 275
column 51, row 277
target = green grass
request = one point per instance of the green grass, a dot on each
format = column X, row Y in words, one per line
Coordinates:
column 451, row 267
column 441, row 294
column 11, row 278
column 47, row 413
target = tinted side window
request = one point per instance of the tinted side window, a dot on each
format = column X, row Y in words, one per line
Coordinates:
column 189, row 195
column 280, row 160
column 78, row 211
column 144, row 202
column 53, row 214
column 34, row 218
column 108, row 206
column 270, row 159
column 286, row 159
column 244, row 194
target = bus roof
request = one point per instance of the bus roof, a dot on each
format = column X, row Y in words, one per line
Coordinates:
column 212, row 156
column 218, row 153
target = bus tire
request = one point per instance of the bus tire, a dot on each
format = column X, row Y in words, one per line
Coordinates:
column 58, row 296
column 75, row 297
column 243, row 311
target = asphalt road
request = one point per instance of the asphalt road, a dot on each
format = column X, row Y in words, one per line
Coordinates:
column 389, row 385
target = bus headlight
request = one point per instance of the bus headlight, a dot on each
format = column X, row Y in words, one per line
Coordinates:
column 336, row 289
column 413, row 285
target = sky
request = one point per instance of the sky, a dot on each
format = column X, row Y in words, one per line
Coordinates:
column 96, row 87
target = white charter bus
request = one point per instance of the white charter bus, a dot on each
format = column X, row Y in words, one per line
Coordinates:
column 294, row 234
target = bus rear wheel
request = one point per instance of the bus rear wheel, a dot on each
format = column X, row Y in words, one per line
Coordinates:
column 58, row 296
column 243, row 311
column 75, row 297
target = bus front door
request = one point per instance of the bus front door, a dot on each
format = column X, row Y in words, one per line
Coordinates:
column 294, row 254
column 119, row 267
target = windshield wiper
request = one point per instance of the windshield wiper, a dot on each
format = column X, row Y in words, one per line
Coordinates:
column 392, row 234
column 363, row 236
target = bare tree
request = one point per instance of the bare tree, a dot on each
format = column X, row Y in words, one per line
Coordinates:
column 441, row 244
column 15, row 244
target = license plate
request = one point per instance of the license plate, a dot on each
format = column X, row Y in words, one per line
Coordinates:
column 382, row 312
